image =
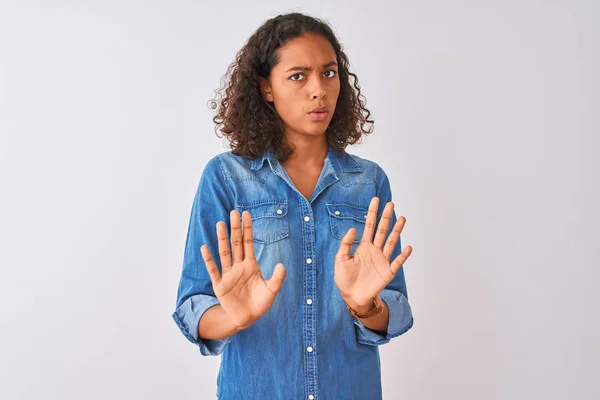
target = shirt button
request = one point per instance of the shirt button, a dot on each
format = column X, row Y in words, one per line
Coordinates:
column 309, row 260
column 279, row 212
column 307, row 218
column 309, row 349
column 337, row 212
column 309, row 301
column 311, row 397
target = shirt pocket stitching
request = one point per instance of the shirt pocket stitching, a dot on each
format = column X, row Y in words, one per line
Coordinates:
column 345, row 215
column 269, row 219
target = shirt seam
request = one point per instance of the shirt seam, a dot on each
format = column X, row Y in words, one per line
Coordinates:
column 227, row 183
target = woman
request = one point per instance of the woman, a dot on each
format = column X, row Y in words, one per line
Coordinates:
column 287, row 202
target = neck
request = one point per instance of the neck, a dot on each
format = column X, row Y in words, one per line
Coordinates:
column 307, row 152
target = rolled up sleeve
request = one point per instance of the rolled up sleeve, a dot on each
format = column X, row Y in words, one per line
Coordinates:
column 395, row 294
column 195, row 295
column 187, row 316
column 400, row 320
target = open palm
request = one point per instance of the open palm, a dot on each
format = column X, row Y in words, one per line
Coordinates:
column 360, row 277
column 241, row 289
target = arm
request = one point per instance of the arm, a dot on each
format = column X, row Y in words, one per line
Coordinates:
column 378, row 322
column 215, row 324
column 198, row 313
column 394, row 297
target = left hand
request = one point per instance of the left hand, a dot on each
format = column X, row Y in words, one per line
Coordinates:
column 362, row 276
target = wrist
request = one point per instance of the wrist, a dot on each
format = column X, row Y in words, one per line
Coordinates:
column 362, row 308
column 230, row 325
column 233, row 328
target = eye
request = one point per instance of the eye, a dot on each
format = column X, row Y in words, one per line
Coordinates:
column 292, row 77
column 334, row 73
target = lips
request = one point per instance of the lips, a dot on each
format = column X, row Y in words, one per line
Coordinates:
column 318, row 116
column 319, row 113
column 319, row 110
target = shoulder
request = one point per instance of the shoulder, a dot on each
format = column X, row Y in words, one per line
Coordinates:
column 227, row 164
column 368, row 168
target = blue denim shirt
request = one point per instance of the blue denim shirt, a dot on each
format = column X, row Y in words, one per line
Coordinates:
column 308, row 345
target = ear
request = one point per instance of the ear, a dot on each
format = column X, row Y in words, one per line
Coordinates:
column 265, row 88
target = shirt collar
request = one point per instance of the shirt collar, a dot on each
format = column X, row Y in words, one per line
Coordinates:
column 341, row 162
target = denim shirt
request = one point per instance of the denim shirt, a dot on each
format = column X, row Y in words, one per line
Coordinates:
column 308, row 345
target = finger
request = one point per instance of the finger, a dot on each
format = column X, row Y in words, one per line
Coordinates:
column 248, row 238
column 401, row 259
column 343, row 253
column 394, row 237
column 237, row 248
column 211, row 265
column 384, row 224
column 224, row 253
column 274, row 283
column 371, row 220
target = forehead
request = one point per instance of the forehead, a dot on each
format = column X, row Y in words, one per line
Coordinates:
column 307, row 50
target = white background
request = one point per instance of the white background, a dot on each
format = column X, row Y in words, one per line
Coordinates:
column 486, row 123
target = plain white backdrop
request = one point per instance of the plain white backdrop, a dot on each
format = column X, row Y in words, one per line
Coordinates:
column 486, row 121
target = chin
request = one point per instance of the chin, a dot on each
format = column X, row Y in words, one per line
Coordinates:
column 315, row 133
column 312, row 130
column 316, row 130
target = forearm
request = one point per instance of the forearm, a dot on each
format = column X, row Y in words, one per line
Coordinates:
column 215, row 324
column 378, row 322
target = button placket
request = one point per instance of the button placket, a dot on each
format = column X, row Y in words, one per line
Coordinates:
column 310, row 355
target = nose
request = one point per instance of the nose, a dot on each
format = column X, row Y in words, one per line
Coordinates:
column 317, row 89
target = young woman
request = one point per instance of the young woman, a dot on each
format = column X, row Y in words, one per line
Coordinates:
column 287, row 202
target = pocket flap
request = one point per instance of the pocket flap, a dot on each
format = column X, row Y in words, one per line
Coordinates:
column 347, row 211
column 264, row 209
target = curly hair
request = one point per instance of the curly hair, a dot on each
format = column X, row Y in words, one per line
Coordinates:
column 251, row 124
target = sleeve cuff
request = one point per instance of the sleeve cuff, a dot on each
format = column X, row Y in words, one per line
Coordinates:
column 400, row 320
column 187, row 316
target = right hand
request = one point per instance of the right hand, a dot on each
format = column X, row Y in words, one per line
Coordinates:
column 242, row 291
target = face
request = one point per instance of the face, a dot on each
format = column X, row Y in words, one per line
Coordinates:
column 305, row 78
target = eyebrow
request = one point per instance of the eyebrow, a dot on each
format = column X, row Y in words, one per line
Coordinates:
column 304, row 68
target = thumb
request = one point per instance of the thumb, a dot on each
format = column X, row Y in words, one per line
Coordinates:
column 276, row 280
column 343, row 253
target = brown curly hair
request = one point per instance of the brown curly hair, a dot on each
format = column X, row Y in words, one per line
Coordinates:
column 251, row 124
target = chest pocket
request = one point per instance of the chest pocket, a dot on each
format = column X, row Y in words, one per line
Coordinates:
column 269, row 219
column 343, row 216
